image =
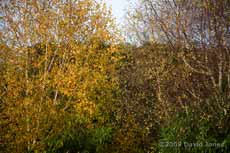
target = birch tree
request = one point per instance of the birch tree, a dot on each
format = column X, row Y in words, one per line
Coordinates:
column 62, row 65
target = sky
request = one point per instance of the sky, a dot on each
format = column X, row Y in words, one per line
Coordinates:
column 118, row 8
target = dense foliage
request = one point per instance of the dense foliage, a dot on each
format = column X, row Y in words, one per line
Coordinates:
column 69, row 83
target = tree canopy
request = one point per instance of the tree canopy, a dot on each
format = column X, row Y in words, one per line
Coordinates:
column 70, row 82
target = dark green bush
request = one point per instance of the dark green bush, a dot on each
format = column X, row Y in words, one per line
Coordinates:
column 195, row 131
column 79, row 138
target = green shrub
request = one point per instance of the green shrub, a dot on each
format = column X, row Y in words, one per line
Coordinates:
column 79, row 138
column 191, row 131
